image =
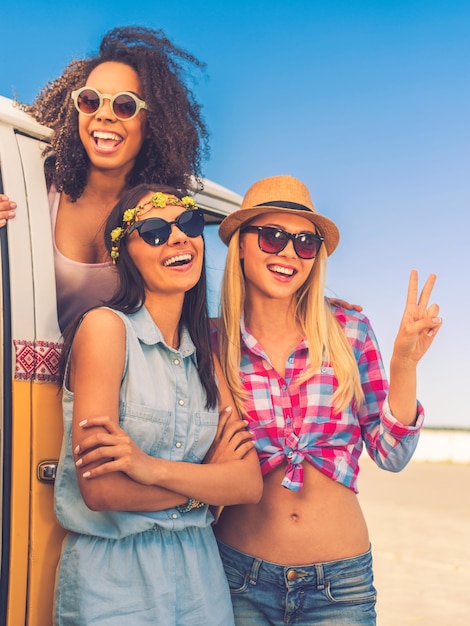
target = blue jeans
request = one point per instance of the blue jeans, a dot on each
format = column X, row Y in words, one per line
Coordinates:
column 336, row 593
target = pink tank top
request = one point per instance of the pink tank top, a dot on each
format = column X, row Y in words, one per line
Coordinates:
column 79, row 285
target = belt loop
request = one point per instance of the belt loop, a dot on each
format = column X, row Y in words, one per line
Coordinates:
column 253, row 575
column 320, row 576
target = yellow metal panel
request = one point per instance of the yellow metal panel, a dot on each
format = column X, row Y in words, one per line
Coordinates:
column 37, row 436
column 21, row 446
column 45, row 533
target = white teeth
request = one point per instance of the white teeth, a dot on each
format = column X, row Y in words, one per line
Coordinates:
column 181, row 258
column 281, row 270
column 98, row 134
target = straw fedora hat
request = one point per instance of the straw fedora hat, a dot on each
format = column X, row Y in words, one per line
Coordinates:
column 279, row 194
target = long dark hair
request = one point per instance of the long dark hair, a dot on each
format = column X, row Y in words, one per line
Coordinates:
column 177, row 140
column 130, row 295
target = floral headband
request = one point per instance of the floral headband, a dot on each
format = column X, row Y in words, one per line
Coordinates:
column 158, row 200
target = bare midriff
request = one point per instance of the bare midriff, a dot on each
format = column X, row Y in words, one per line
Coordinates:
column 321, row 522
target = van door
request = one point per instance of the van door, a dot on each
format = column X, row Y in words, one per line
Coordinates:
column 30, row 418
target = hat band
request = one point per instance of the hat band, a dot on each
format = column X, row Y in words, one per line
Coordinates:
column 285, row 205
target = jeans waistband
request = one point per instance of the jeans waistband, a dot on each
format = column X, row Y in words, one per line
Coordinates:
column 314, row 573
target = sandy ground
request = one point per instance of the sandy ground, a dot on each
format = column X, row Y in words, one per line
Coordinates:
column 419, row 525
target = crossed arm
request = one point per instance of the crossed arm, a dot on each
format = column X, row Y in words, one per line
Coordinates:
column 113, row 472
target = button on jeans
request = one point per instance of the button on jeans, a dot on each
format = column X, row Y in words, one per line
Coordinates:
column 336, row 593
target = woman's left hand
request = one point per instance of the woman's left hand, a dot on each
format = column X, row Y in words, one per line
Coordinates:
column 420, row 322
column 345, row 304
column 113, row 450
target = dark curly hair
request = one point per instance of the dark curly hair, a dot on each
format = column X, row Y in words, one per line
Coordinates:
column 130, row 295
column 178, row 138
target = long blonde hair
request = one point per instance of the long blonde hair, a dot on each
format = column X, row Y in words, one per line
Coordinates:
column 326, row 339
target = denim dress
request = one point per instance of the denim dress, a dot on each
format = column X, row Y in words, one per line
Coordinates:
column 162, row 567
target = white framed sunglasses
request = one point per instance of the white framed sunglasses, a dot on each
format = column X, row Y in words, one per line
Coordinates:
column 125, row 105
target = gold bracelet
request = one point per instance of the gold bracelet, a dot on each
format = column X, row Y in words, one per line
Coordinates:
column 190, row 505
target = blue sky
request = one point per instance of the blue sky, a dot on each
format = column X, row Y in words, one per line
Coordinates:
column 367, row 102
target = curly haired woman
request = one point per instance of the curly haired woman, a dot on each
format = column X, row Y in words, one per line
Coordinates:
column 119, row 118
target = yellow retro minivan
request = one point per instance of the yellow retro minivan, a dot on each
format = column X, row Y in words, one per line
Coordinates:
column 30, row 343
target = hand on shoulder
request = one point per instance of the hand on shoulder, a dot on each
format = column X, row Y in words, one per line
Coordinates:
column 344, row 304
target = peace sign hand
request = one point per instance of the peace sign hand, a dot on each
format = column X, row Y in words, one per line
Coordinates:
column 420, row 322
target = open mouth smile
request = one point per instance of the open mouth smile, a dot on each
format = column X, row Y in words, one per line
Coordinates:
column 284, row 271
column 177, row 261
column 105, row 140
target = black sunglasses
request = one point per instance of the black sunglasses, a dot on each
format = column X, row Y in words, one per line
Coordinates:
column 273, row 240
column 125, row 104
column 155, row 231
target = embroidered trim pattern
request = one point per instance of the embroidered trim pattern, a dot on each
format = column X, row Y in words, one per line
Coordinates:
column 37, row 361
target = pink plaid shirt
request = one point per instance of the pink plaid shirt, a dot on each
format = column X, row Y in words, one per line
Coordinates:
column 292, row 423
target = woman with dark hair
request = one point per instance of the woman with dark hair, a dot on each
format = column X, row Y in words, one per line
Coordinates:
column 144, row 453
column 119, row 118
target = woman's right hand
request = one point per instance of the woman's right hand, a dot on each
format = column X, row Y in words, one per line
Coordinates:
column 7, row 209
column 232, row 440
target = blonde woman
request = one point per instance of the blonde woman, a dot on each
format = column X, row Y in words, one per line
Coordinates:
column 308, row 377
